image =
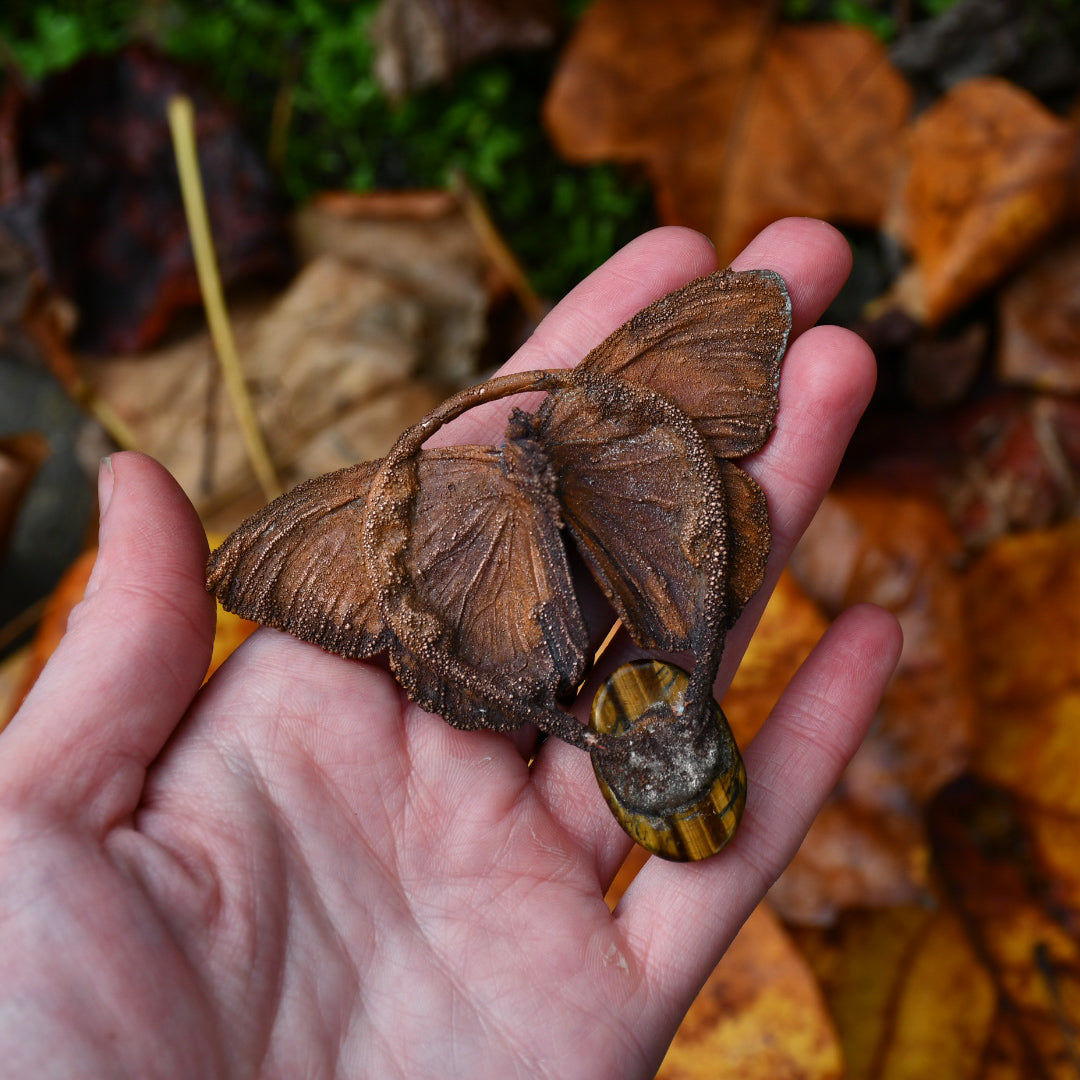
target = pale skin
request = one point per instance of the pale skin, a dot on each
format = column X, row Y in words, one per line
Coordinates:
column 294, row 872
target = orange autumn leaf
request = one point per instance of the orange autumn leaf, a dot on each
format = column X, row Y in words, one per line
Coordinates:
column 907, row 991
column 790, row 627
column 1023, row 600
column 760, row 1014
column 989, row 172
column 737, row 121
column 1009, row 868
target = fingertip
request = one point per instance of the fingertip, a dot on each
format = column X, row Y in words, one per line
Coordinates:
column 148, row 530
column 881, row 635
column 812, row 256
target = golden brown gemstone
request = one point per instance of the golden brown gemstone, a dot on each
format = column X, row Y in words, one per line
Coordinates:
column 679, row 792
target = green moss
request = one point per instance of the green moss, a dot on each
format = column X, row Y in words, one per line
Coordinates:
column 311, row 61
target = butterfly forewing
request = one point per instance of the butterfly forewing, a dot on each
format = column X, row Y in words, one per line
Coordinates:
column 297, row 565
column 713, row 348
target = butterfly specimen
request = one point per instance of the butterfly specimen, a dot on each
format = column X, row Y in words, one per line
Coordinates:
column 455, row 560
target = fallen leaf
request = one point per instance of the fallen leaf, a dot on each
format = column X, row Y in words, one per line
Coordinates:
column 899, row 551
column 1009, row 868
column 1004, row 840
column 989, row 172
column 422, row 42
column 908, row 993
column 790, row 627
column 1023, row 598
column 736, row 122
column 760, row 1014
column 338, row 350
column 867, row 846
column 1039, row 308
column 424, row 242
column 99, row 203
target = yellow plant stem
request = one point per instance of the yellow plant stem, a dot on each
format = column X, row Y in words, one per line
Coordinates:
column 182, row 126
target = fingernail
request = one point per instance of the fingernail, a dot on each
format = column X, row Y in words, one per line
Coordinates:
column 106, row 482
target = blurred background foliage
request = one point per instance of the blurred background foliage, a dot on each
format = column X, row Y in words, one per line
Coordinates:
column 300, row 73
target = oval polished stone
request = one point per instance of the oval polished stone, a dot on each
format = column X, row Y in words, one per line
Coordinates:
column 705, row 817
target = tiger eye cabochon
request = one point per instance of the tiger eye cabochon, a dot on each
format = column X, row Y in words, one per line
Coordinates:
column 704, row 819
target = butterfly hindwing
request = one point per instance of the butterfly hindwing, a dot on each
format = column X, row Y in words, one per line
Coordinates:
column 749, row 537
column 478, row 590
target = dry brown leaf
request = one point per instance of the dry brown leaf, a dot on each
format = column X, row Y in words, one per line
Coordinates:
column 989, row 171
column 423, row 241
column 867, row 846
column 421, row 42
column 339, row 343
column 759, row 1015
column 387, row 313
column 737, row 123
column 1040, row 322
column 908, row 993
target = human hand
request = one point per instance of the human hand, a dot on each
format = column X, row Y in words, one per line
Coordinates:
column 296, row 872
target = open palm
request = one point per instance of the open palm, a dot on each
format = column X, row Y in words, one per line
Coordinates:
column 296, row 872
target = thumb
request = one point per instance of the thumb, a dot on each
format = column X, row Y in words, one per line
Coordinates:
column 134, row 654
